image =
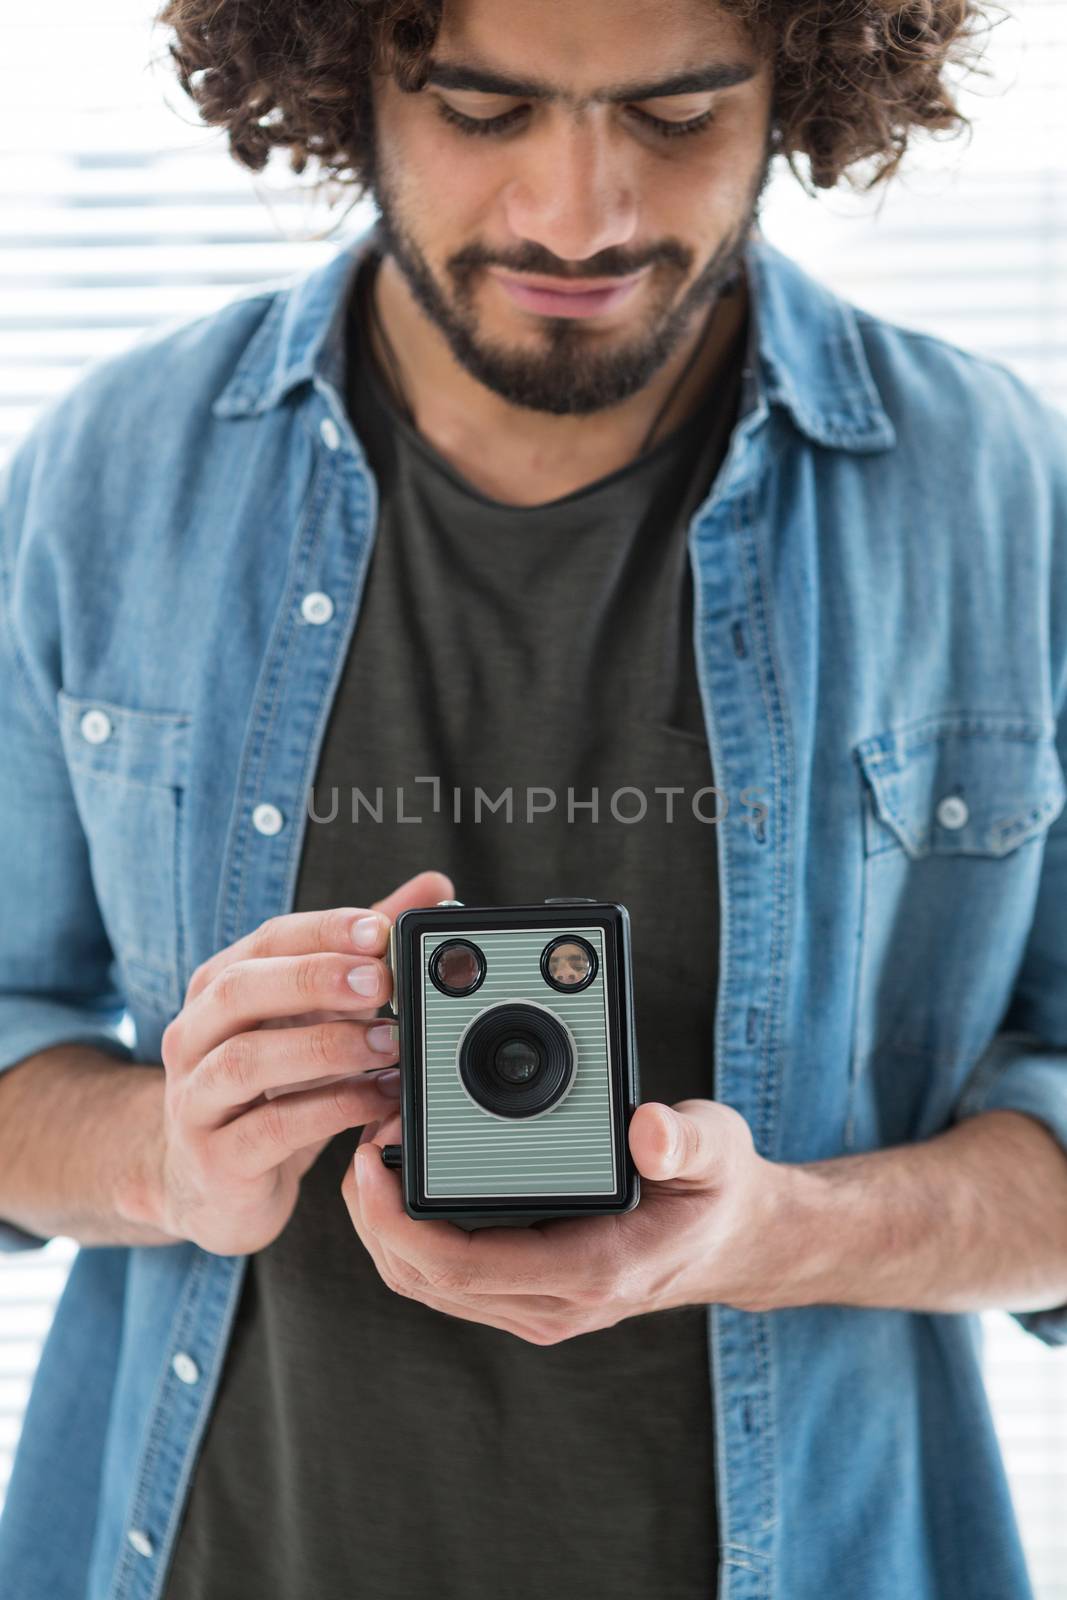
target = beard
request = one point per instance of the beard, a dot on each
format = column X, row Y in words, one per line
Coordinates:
column 566, row 377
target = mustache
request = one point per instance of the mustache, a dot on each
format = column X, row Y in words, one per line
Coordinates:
column 530, row 257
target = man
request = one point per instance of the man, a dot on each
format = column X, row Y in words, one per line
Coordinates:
column 561, row 480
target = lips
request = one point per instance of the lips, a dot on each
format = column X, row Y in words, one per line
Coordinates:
column 545, row 296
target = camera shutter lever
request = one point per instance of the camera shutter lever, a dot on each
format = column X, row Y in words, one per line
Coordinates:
column 450, row 902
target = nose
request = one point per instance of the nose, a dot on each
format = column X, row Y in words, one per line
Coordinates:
column 572, row 195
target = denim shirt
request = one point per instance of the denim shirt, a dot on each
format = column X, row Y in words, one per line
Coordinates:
column 880, row 631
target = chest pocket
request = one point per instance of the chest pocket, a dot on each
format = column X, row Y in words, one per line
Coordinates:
column 956, row 810
column 960, row 785
column 129, row 770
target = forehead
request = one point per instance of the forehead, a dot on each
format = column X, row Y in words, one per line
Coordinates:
column 584, row 45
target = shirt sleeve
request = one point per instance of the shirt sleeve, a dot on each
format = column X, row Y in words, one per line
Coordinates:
column 57, row 973
column 1025, row 1066
column 1021, row 1072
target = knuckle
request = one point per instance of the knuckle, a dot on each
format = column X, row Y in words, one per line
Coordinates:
column 273, row 1121
column 169, row 1044
column 227, row 984
column 197, row 981
column 263, row 940
column 325, row 1046
column 234, row 1061
column 306, row 977
column 247, row 1137
column 341, row 1104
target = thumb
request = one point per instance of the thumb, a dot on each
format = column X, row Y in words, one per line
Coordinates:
column 687, row 1142
column 424, row 889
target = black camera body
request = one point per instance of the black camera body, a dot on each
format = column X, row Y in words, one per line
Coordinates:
column 518, row 1061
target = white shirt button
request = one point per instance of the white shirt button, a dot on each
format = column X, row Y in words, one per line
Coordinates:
column 141, row 1542
column 267, row 819
column 316, row 607
column 952, row 812
column 185, row 1367
column 329, row 433
column 95, row 726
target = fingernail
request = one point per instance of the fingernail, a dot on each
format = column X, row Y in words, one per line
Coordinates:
column 364, row 980
column 384, row 1036
column 365, row 931
column 389, row 1082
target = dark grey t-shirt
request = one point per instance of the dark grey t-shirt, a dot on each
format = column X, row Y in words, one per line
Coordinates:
column 362, row 1444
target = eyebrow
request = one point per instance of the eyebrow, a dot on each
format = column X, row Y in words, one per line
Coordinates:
column 717, row 75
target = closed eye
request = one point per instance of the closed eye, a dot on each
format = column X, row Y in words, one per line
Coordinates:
column 668, row 129
column 662, row 127
column 480, row 125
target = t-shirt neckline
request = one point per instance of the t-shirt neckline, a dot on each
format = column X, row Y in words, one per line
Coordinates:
column 358, row 346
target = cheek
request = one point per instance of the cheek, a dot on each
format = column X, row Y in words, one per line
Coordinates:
column 463, row 202
column 702, row 197
column 718, row 175
column 443, row 188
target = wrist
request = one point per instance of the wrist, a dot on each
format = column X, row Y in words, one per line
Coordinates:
column 795, row 1240
column 139, row 1191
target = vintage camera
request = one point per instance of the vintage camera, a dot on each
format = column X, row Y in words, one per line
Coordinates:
column 518, row 1060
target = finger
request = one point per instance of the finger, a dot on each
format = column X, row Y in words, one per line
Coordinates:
column 294, row 933
column 652, row 1137
column 244, row 993
column 580, row 1250
column 689, row 1143
column 491, row 1260
column 246, row 1065
column 491, row 1314
column 387, row 1130
column 261, row 1139
column 498, row 1315
column 302, row 932
column 307, row 1017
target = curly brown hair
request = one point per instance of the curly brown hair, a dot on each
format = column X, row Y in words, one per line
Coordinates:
column 853, row 79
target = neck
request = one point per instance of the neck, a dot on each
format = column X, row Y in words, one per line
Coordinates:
column 522, row 456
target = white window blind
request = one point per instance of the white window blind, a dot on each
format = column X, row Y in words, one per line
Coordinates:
column 119, row 214
column 971, row 243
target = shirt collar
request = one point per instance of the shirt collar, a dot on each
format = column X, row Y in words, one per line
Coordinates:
column 811, row 358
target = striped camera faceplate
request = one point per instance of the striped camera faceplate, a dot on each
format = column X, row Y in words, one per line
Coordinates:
column 567, row 1150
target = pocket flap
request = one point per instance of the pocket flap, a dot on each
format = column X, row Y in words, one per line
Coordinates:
column 148, row 747
column 962, row 784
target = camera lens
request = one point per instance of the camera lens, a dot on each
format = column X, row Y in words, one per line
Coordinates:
column 457, row 967
column 568, row 963
column 516, row 1059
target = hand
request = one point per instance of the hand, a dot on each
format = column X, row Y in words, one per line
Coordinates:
column 702, row 1231
column 261, row 1018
